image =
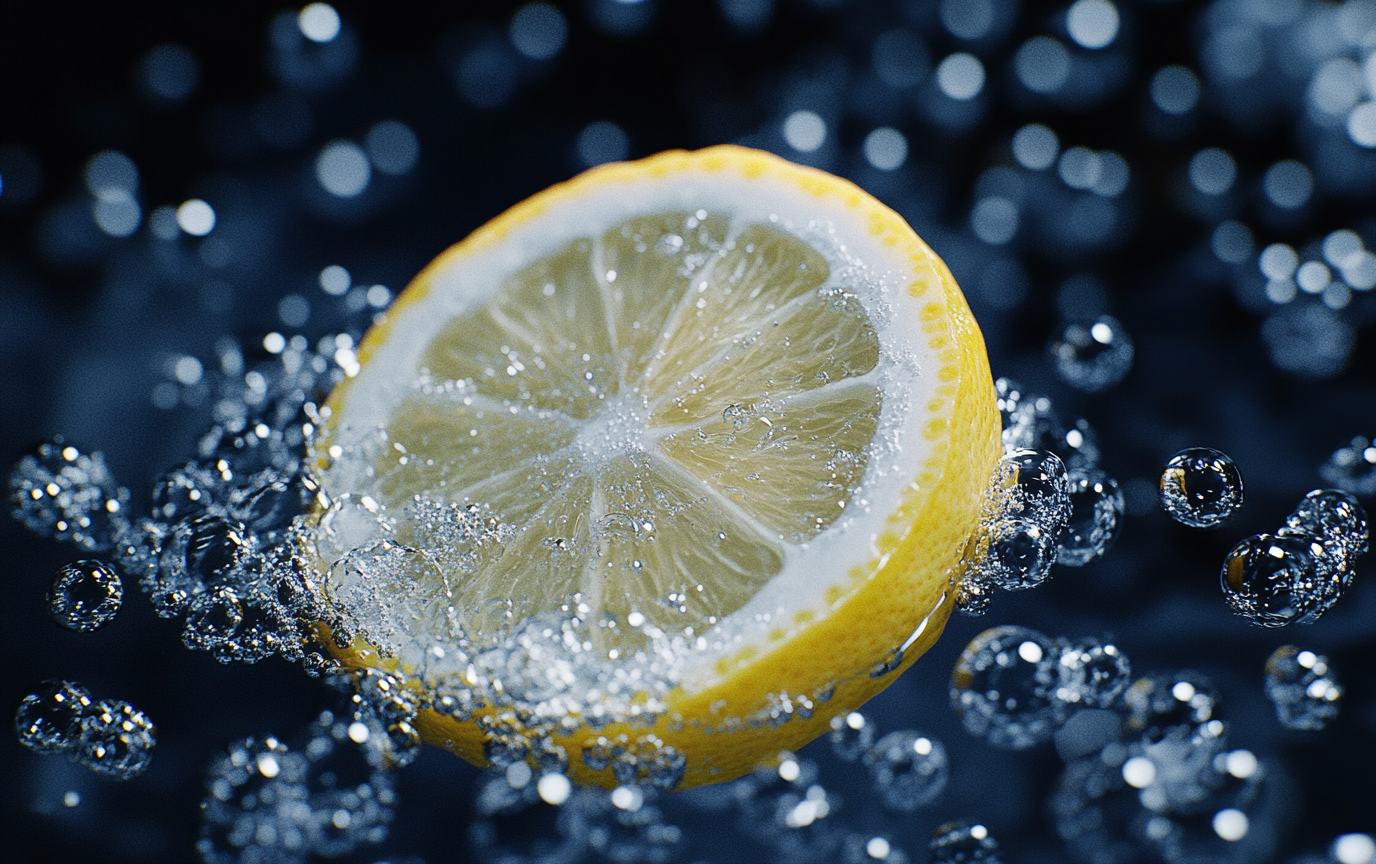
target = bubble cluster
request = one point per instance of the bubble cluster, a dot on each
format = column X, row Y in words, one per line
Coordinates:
column 61, row 492
column 1297, row 574
column 1302, row 687
column 85, row 595
column 268, row 801
column 1201, row 487
column 108, row 736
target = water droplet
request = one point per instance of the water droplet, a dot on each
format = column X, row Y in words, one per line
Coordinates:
column 85, row 596
column 1201, row 487
column 954, row 842
column 1092, row 357
column 1273, row 581
column 1096, row 517
column 909, row 769
column 1002, row 687
column 1302, row 687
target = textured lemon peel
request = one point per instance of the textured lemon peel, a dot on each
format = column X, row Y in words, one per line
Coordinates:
column 816, row 651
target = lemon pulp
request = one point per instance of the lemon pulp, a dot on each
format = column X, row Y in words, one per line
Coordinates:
column 657, row 442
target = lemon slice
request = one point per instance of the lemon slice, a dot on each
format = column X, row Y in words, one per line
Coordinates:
column 661, row 469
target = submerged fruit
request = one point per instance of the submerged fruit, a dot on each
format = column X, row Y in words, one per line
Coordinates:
column 659, row 471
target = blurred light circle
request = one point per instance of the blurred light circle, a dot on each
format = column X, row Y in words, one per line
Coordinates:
column 1355, row 21
column 747, row 16
column 1091, row 219
column 538, row 31
column 110, row 172
column 1113, row 175
column 335, row 280
column 601, row 142
column 886, row 148
column 379, row 296
column 1234, row 52
column 1232, row 242
column 994, row 220
column 392, row 147
column 1360, row 271
column 1309, row 340
column 1092, row 23
column 1042, row 64
column 960, row 76
column 1288, row 184
column 1336, row 295
column 1313, row 276
column 187, row 370
column 319, row 22
column 900, row 58
column 163, row 223
column 805, row 131
column 294, row 310
column 1212, row 171
column 486, row 76
column 343, row 169
column 1361, row 125
column 968, row 19
column 1341, row 247
column 196, row 217
column 1278, row 261
column 1079, row 168
column 1175, row 90
column 1281, row 291
column 1231, row 824
column 1336, row 87
column 1353, row 849
column 117, row 214
column 1035, row 147
column 170, row 72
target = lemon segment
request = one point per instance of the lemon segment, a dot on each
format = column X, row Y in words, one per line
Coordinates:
column 726, row 422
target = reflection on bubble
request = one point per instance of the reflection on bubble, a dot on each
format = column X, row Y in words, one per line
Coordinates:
column 1042, row 64
column 343, row 169
column 1035, row 147
column 1175, row 90
column 538, row 30
column 805, row 131
column 1092, row 23
column 960, row 76
column 602, row 142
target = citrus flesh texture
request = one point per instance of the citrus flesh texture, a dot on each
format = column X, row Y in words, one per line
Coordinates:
column 665, row 467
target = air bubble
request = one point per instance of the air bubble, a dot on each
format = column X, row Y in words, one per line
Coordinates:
column 1093, row 357
column 851, row 735
column 1302, row 687
column 116, row 740
column 1164, row 705
column 1201, row 487
column 1092, row 674
column 49, row 721
column 1273, row 581
column 909, row 769
column 1003, row 687
column 1096, row 517
column 58, row 491
column 85, row 596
